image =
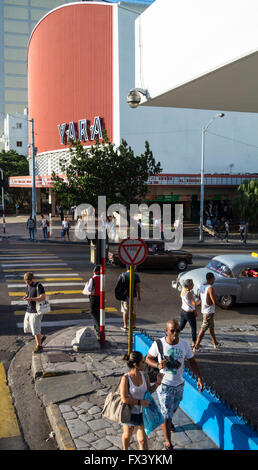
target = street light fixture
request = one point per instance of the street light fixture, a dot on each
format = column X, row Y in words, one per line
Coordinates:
column 204, row 129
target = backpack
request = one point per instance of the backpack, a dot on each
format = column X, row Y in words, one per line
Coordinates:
column 154, row 371
column 121, row 292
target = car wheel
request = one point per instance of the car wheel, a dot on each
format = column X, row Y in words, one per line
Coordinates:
column 181, row 265
column 227, row 301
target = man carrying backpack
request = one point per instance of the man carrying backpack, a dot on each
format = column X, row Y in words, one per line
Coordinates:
column 122, row 293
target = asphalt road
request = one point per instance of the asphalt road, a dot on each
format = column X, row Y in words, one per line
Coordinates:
column 159, row 303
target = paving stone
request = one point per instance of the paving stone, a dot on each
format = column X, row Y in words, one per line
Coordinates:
column 101, row 444
column 65, row 408
column 80, row 444
column 86, row 405
column 94, row 410
column 77, row 428
column 115, row 440
column 86, row 418
column 70, row 415
column 98, row 424
column 90, row 437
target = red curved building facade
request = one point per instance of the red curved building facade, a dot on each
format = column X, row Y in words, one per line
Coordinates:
column 70, row 75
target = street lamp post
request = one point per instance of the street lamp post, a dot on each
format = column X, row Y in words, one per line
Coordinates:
column 204, row 129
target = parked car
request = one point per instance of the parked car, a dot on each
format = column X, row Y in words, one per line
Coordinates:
column 157, row 257
column 236, row 278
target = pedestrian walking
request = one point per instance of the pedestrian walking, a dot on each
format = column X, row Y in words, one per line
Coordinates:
column 31, row 228
column 208, row 304
column 44, row 227
column 35, row 292
column 93, row 287
column 171, row 364
column 188, row 311
column 243, row 232
column 133, row 387
column 136, row 295
column 66, row 226
column 226, row 228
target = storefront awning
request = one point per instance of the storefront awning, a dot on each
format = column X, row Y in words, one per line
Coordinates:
column 26, row 181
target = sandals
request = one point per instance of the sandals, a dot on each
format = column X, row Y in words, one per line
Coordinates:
column 169, row 447
column 38, row 349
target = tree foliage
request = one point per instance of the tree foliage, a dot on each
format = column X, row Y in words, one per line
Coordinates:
column 246, row 203
column 105, row 170
column 14, row 164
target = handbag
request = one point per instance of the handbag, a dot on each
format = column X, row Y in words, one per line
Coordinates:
column 43, row 306
column 114, row 409
column 86, row 291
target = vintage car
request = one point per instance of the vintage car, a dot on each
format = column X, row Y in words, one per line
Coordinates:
column 236, row 278
column 157, row 256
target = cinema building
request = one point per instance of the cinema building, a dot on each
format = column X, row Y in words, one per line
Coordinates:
column 81, row 65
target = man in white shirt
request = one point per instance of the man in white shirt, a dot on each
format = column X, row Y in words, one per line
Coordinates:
column 170, row 392
column 208, row 303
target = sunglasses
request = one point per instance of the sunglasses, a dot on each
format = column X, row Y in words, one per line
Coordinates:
column 174, row 330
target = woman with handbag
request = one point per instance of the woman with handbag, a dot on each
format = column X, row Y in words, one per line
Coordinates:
column 188, row 312
column 32, row 321
column 92, row 288
column 132, row 389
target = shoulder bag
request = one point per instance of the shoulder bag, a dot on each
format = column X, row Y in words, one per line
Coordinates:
column 114, row 409
column 86, row 291
column 43, row 306
column 154, row 371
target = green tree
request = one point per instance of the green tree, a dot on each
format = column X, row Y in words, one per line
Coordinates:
column 105, row 170
column 245, row 205
column 14, row 164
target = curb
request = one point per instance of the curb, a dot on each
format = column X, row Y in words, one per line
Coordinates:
column 62, row 435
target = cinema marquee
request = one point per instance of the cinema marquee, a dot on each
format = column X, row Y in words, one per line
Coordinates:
column 82, row 131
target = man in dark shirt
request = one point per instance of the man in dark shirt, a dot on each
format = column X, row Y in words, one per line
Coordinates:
column 32, row 320
column 136, row 294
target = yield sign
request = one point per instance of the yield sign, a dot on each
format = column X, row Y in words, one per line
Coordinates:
column 132, row 251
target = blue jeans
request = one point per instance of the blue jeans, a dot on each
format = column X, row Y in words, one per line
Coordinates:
column 45, row 233
column 31, row 232
column 188, row 317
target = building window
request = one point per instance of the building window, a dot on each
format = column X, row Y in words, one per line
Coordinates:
column 19, row 143
column 18, row 125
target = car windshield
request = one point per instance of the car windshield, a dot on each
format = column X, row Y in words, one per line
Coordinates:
column 219, row 268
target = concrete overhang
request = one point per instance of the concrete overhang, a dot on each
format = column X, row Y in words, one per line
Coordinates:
column 232, row 87
column 198, row 55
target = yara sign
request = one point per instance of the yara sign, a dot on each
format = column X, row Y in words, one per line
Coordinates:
column 89, row 224
column 82, row 131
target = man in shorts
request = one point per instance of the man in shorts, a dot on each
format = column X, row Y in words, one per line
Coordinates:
column 208, row 303
column 171, row 364
column 137, row 297
column 32, row 320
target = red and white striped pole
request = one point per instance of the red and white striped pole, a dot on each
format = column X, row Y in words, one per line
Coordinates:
column 102, row 290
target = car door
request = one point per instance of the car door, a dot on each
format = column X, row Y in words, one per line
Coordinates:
column 249, row 284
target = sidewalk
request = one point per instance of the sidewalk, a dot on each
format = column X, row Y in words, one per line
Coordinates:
column 73, row 385
column 15, row 228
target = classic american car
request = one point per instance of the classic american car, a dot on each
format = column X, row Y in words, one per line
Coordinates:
column 236, row 278
column 157, row 257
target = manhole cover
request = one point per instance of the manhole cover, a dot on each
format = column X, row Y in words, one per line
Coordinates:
column 59, row 357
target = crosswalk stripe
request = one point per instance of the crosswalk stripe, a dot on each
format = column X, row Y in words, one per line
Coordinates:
column 54, row 301
column 18, row 258
column 54, row 292
column 20, row 276
column 67, row 311
column 37, row 269
column 54, row 284
column 34, row 264
column 48, row 279
column 8, row 421
column 73, row 322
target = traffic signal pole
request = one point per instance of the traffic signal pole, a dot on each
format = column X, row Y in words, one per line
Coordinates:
column 102, row 289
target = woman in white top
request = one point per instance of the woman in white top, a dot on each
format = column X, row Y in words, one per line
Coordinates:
column 132, row 389
column 188, row 312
